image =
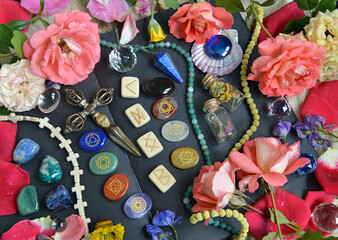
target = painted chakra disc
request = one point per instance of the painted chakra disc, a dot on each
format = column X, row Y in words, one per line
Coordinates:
column 138, row 205
column 175, row 131
column 164, row 108
column 103, row 163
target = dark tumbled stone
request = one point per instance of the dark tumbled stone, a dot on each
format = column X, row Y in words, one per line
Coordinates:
column 158, row 87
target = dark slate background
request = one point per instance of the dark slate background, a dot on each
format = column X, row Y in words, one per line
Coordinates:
column 137, row 169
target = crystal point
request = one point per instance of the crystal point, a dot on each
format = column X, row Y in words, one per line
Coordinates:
column 166, row 65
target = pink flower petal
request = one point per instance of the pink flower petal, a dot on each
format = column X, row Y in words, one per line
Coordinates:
column 243, row 162
column 275, row 179
column 129, row 30
column 266, row 153
column 51, row 7
column 115, row 10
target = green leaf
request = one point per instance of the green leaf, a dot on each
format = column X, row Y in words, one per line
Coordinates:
column 327, row 5
column 4, row 111
column 18, row 39
column 14, row 59
column 4, row 49
column 231, row 6
column 281, row 217
column 42, row 6
column 18, row 24
column 44, row 22
column 174, row 4
column 296, row 25
column 268, row 3
column 311, row 235
column 131, row 2
column 6, row 35
column 271, row 236
column 307, row 4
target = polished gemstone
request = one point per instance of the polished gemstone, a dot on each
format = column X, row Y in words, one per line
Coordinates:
column 158, row 87
column 162, row 178
column 59, row 224
column 116, row 186
column 218, row 46
column 325, row 217
column 308, row 168
column 42, row 236
column 166, row 65
column 27, row 200
column 50, row 170
column 122, row 59
column 49, row 100
column 25, row 150
column 164, row 108
column 280, row 108
column 103, row 163
column 185, row 158
column 138, row 205
column 58, row 199
column 93, row 141
column 175, row 131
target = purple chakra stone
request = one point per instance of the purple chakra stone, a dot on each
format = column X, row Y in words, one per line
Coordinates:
column 325, row 217
column 58, row 199
column 280, row 108
column 308, row 168
column 138, row 205
column 218, row 47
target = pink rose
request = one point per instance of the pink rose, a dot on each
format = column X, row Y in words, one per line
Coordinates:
column 67, row 51
column 267, row 158
column 198, row 22
column 213, row 187
column 287, row 66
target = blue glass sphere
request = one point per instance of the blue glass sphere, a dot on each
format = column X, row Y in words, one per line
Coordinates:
column 218, row 47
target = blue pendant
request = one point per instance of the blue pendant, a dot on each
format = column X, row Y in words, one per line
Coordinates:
column 308, row 168
column 92, row 141
column 218, row 47
column 138, row 205
column 166, row 65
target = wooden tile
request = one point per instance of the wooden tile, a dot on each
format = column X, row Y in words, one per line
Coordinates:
column 162, row 178
column 130, row 87
column 137, row 115
column 149, row 144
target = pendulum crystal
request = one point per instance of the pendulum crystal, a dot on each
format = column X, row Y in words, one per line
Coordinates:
column 165, row 64
column 49, row 100
column 122, row 59
column 280, row 108
column 325, row 217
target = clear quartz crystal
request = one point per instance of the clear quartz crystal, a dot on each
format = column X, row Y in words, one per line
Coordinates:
column 122, row 59
column 325, row 217
column 59, row 224
column 49, row 100
column 280, row 108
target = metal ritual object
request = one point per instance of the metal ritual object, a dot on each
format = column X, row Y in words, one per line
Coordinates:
column 102, row 97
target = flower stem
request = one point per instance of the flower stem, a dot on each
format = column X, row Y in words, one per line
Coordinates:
column 255, row 210
column 174, row 230
column 327, row 132
column 259, row 21
column 275, row 213
column 153, row 9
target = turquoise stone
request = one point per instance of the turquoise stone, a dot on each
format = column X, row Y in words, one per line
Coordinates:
column 50, row 170
column 25, row 150
column 27, row 200
column 103, row 163
column 93, row 141
column 166, row 65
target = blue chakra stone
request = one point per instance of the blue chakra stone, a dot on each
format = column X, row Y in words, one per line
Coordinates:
column 138, row 205
column 25, row 150
column 218, row 47
column 50, row 170
column 93, row 141
column 58, row 199
column 166, row 65
column 308, row 168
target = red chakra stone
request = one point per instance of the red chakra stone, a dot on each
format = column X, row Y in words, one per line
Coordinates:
column 164, row 108
column 116, row 187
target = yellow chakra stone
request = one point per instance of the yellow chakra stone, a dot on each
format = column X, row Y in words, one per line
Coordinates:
column 185, row 158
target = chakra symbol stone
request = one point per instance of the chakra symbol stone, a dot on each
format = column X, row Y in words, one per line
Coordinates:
column 185, row 158
column 175, row 131
column 137, row 205
column 162, row 178
column 103, row 163
column 25, row 150
column 149, row 144
column 116, row 186
column 164, row 108
column 92, row 141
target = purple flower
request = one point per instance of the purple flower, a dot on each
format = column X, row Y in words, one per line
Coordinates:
column 318, row 141
column 165, row 218
column 108, row 10
column 303, row 130
column 314, row 121
column 157, row 233
column 281, row 129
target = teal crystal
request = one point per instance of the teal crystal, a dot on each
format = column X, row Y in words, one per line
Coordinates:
column 50, row 170
column 166, row 65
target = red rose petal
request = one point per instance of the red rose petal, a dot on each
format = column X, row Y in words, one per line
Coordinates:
column 12, row 179
column 293, row 207
column 16, row 12
column 7, row 140
column 25, row 229
column 327, row 178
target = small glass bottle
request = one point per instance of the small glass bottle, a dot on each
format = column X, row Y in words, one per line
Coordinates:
column 229, row 96
column 219, row 121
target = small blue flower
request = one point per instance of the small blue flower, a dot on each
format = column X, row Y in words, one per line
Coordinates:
column 281, row 129
column 157, row 233
column 165, row 218
column 302, row 129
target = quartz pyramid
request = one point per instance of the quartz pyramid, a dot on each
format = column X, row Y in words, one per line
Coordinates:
column 165, row 64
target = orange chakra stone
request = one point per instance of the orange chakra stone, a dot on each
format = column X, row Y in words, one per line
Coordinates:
column 116, row 187
column 164, row 108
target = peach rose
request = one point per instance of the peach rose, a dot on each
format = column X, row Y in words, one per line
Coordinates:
column 213, row 187
column 267, row 158
column 198, row 22
column 287, row 66
column 67, row 51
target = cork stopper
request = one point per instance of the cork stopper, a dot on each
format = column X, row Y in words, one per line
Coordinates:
column 211, row 105
column 208, row 79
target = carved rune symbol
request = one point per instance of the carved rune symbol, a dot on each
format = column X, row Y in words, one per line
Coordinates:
column 138, row 115
column 150, row 142
column 161, row 176
column 127, row 86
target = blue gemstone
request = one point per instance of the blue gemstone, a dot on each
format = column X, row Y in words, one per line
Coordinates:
column 308, row 168
column 25, row 150
column 93, row 141
column 218, row 47
column 50, row 170
column 58, row 199
column 138, row 205
column 166, row 65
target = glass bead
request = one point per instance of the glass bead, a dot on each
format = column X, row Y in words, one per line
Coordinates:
column 173, row 45
column 186, row 55
column 187, row 194
column 156, row 45
column 206, row 152
column 191, row 64
column 203, row 142
column 178, row 48
column 194, row 121
column 167, row 44
column 59, row 224
column 211, row 221
column 222, row 225
column 325, row 217
column 109, row 44
column 190, row 94
column 191, row 69
column 136, row 49
column 188, row 206
column 191, row 79
column 162, row 44
column 216, row 223
column 190, row 188
column 280, row 108
column 192, row 115
column 189, row 59
column 182, row 52
column 49, row 100
column 190, row 89
column 122, row 59
column 191, row 74
column 200, row 136
column 191, row 111
column 186, row 200
column 114, row 45
column 198, row 131
column 103, row 42
column 190, row 100
column 205, row 147
column 190, row 84
column 196, row 126
column 151, row 46
column 218, row 47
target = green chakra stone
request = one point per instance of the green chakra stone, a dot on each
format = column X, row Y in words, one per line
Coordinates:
column 103, row 163
column 27, row 200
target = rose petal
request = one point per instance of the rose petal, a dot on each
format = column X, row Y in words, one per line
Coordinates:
column 129, row 30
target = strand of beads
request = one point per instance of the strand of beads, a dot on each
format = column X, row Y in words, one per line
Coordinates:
column 197, row 217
